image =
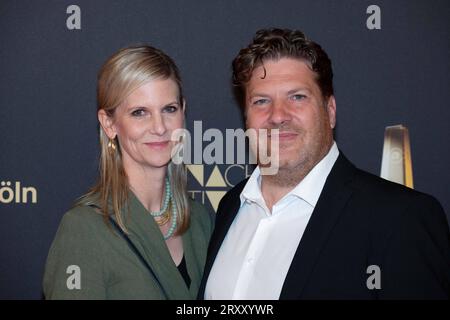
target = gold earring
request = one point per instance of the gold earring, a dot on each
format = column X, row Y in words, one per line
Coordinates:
column 111, row 145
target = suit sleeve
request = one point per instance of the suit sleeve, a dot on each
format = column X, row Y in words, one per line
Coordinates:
column 74, row 268
column 416, row 262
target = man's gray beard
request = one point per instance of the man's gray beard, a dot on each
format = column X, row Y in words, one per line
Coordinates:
column 290, row 176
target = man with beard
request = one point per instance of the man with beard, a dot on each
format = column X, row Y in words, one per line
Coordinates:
column 319, row 228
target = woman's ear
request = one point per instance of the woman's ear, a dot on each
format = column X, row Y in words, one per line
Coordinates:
column 184, row 106
column 107, row 123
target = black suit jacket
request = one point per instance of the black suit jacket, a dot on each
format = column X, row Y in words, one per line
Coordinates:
column 360, row 220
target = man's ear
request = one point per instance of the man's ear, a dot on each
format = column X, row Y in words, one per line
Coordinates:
column 107, row 123
column 331, row 110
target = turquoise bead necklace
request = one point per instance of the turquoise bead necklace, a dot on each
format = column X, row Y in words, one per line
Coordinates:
column 163, row 212
column 168, row 195
column 173, row 226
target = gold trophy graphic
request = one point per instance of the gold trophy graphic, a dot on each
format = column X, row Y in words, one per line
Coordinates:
column 396, row 164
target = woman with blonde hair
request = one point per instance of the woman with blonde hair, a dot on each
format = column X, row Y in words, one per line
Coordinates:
column 136, row 234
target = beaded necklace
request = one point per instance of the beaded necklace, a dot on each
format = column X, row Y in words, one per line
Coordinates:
column 165, row 214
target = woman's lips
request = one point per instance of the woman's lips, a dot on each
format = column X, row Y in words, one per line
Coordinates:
column 158, row 145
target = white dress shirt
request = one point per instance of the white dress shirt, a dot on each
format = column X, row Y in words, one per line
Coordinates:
column 258, row 249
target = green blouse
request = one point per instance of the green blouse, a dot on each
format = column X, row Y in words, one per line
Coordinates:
column 106, row 266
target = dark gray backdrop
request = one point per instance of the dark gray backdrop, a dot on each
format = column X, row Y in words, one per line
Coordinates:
column 396, row 75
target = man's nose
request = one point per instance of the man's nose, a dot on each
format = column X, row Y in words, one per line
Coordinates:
column 279, row 113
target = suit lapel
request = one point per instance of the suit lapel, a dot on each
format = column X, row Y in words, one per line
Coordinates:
column 332, row 201
column 194, row 269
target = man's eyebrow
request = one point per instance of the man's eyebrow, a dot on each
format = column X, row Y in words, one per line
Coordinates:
column 298, row 89
column 257, row 94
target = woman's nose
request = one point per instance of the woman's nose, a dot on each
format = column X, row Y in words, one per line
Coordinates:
column 158, row 125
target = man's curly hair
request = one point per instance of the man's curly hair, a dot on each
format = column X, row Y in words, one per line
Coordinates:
column 274, row 44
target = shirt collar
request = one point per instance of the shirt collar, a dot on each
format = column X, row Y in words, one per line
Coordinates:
column 309, row 189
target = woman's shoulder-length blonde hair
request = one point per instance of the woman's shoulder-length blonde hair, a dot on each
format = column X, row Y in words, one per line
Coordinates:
column 123, row 72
